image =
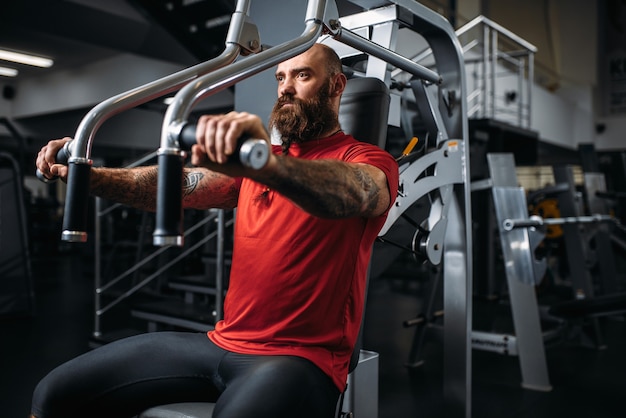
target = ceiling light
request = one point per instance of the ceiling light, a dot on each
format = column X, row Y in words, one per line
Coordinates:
column 217, row 21
column 27, row 59
column 8, row 72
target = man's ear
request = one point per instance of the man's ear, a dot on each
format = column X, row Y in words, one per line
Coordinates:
column 339, row 85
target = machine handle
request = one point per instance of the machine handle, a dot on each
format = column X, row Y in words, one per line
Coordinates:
column 75, row 219
column 251, row 153
column 169, row 214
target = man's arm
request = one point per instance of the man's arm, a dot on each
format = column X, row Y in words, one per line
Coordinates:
column 324, row 188
column 202, row 189
column 328, row 188
column 137, row 187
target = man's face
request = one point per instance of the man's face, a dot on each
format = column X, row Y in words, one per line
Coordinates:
column 304, row 109
column 302, row 76
column 300, row 120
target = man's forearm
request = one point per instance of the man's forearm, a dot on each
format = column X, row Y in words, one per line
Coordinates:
column 137, row 187
column 132, row 187
column 329, row 188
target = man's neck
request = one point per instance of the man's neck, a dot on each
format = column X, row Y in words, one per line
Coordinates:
column 330, row 132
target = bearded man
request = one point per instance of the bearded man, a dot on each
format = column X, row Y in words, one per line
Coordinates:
column 303, row 237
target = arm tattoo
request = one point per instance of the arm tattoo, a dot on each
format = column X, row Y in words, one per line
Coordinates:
column 135, row 187
column 369, row 186
column 205, row 189
column 190, row 181
column 327, row 188
column 201, row 189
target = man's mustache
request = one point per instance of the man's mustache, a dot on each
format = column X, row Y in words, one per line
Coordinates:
column 286, row 99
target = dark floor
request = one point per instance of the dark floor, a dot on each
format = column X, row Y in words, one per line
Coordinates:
column 586, row 382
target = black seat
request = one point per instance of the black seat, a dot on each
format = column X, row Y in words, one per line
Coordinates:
column 364, row 110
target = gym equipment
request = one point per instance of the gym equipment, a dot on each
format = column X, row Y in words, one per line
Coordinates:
column 242, row 38
column 439, row 95
column 440, row 175
column 578, row 230
column 522, row 272
column 520, row 236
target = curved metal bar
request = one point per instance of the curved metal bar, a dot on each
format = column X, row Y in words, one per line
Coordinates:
column 75, row 214
column 448, row 163
column 140, row 95
column 155, row 89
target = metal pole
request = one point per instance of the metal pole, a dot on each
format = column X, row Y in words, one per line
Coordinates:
column 494, row 65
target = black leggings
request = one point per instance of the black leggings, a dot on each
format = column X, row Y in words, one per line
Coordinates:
column 123, row 378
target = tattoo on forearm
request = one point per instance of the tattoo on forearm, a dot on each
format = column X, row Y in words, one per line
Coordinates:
column 201, row 189
column 135, row 187
column 325, row 189
column 190, row 182
column 204, row 189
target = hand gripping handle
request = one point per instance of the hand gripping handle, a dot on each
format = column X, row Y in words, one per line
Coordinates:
column 251, row 153
column 62, row 157
column 76, row 201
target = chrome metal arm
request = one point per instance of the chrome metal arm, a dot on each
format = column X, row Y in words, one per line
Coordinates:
column 365, row 45
column 241, row 32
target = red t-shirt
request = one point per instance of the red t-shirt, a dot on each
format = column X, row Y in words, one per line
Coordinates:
column 297, row 281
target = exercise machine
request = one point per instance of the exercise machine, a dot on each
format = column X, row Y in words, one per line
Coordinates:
column 522, row 271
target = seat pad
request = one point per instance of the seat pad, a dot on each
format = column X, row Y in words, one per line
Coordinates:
column 180, row 410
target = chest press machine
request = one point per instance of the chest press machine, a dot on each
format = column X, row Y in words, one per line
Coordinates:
column 440, row 173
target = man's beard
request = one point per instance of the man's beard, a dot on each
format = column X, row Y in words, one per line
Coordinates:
column 304, row 120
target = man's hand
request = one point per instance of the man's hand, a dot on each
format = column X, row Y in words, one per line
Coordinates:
column 46, row 160
column 217, row 137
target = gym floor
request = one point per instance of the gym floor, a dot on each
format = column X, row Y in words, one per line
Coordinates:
column 587, row 382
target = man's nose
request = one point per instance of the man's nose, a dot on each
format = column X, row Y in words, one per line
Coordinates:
column 286, row 87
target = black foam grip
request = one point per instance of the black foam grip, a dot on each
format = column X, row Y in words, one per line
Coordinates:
column 75, row 216
column 256, row 159
column 63, row 155
column 169, row 209
column 364, row 110
column 187, row 137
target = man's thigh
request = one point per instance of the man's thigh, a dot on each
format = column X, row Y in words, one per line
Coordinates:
column 274, row 386
column 125, row 377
